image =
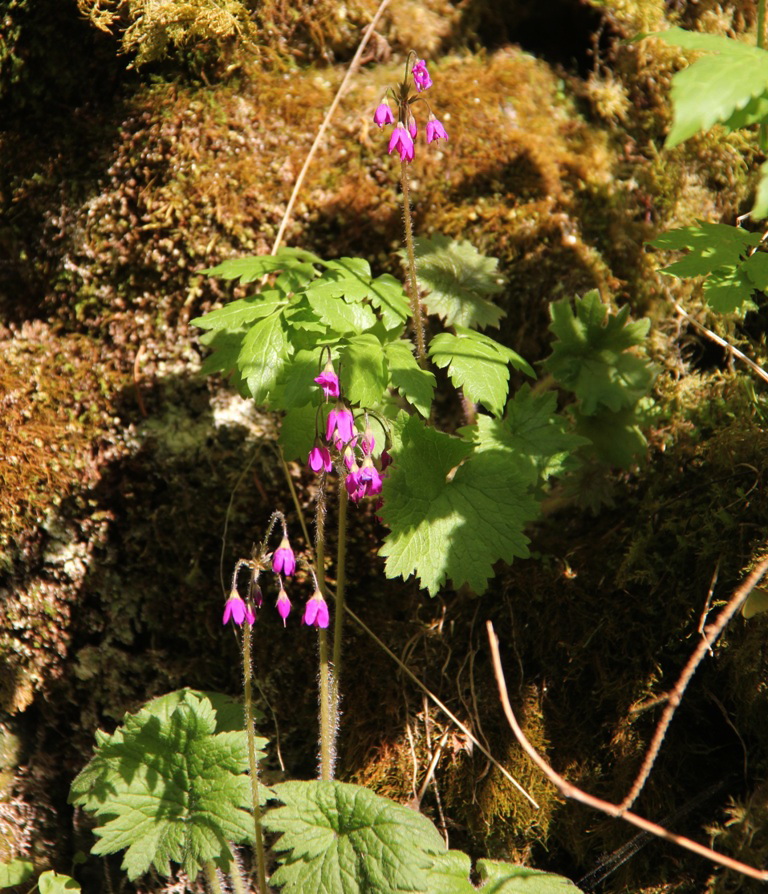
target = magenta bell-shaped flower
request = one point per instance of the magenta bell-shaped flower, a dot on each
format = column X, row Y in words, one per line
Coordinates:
column 328, row 381
column 316, row 611
column 283, row 604
column 340, row 426
column 401, row 141
column 421, row 76
column 320, row 458
column 236, row 610
column 383, row 114
column 435, row 130
column 284, row 561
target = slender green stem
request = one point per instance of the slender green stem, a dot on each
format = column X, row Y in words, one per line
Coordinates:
column 211, row 877
column 261, row 865
column 341, row 580
column 413, row 288
column 761, row 4
column 327, row 725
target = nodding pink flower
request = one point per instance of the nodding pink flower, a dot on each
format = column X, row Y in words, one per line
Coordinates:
column 257, row 596
column 340, row 426
column 435, row 130
column 237, row 611
column 402, row 141
column 284, row 561
column 349, row 456
column 283, row 604
column 386, row 459
column 320, row 458
column 352, row 481
column 370, row 478
column 329, row 382
column 316, row 611
column 383, row 114
column 412, row 128
column 421, row 76
column 368, row 442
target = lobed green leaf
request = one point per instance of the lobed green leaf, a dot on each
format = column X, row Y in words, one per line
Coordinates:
column 592, row 354
column 342, row 839
column 170, row 784
column 457, row 278
column 452, row 511
column 729, row 87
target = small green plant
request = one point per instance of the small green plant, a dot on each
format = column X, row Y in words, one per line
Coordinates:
column 344, row 357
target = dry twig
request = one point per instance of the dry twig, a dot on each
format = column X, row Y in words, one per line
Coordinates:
column 568, row 790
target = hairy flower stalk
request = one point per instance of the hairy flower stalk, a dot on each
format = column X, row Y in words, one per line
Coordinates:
column 261, row 863
column 328, row 724
column 402, row 142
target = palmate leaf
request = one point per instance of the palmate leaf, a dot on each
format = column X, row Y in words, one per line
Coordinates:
column 343, row 839
column 592, row 357
column 237, row 314
column 721, row 254
column 728, row 86
column 533, row 434
column 452, row 511
column 350, row 279
column 338, row 838
column 478, row 364
column 254, row 267
column 416, row 385
column 760, row 209
column 505, row 878
column 170, row 784
column 364, row 372
column 457, row 279
column 264, row 352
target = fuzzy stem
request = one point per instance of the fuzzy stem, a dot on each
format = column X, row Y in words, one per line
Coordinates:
column 211, row 877
column 236, row 874
column 261, row 866
column 341, row 580
column 325, row 678
column 761, row 4
column 326, row 708
column 413, row 288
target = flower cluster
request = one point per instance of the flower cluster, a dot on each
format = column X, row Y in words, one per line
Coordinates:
column 406, row 129
column 363, row 478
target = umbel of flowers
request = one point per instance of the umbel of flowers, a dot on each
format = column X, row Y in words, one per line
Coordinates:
column 353, row 451
column 406, row 128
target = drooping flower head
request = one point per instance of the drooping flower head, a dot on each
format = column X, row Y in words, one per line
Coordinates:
column 284, row 561
column 316, row 611
column 320, row 458
column 435, row 130
column 340, row 428
column 421, row 76
column 368, row 442
column 401, row 141
column 283, row 604
column 407, row 128
column 328, row 381
column 383, row 114
column 236, row 610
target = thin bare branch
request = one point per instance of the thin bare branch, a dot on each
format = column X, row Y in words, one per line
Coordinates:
column 326, row 121
column 758, row 370
column 709, row 635
column 568, row 790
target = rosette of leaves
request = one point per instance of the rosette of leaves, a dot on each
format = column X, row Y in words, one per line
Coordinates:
column 342, row 838
column 171, row 784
